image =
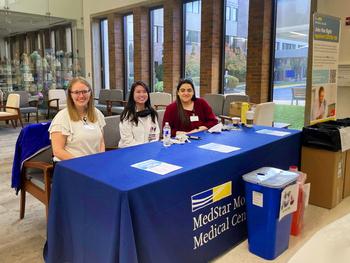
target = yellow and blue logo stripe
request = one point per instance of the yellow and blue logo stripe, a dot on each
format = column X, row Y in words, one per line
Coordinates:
column 211, row 196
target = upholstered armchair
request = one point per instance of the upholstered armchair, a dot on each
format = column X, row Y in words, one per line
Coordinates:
column 32, row 165
column 111, row 132
column 160, row 99
column 28, row 104
column 102, row 100
column 116, row 102
column 57, row 100
column 11, row 111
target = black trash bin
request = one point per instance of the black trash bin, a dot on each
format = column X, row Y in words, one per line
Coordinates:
column 322, row 135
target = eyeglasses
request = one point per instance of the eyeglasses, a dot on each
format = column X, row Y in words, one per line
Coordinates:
column 82, row 92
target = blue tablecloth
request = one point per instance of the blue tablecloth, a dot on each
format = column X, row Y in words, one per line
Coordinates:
column 104, row 210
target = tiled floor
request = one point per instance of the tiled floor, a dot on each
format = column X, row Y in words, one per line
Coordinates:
column 23, row 240
column 316, row 218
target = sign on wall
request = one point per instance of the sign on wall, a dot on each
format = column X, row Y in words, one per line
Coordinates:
column 326, row 32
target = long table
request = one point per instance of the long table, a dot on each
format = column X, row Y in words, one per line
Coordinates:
column 104, row 210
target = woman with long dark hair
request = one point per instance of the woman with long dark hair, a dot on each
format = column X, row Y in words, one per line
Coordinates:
column 139, row 121
column 188, row 114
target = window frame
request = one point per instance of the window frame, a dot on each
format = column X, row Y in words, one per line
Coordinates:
column 102, row 71
column 151, row 51
column 183, row 37
column 223, row 42
column 125, row 39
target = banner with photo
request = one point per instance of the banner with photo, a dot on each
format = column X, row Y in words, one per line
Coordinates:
column 326, row 32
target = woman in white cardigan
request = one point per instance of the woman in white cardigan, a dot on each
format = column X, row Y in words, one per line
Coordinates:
column 139, row 121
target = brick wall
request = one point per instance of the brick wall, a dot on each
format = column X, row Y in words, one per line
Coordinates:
column 211, row 38
column 258, row 60
column 116, row 51
column 172, row 44
column 259, row 49
column 141, row 44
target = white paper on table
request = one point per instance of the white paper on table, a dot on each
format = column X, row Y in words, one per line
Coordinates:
column 273, row 132
column 157, row 167
column 219, row 147
column 216, row 129
column 289, row 200
column 345, row 138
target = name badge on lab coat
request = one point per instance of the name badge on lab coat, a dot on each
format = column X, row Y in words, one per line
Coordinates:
column 194, row 118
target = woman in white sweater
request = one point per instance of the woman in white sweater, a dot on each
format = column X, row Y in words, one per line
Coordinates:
column 138, row 121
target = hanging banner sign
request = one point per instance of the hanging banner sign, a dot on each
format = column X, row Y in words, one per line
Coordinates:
column 326, row 32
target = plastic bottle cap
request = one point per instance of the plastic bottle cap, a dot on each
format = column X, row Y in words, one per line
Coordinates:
column 293, row 168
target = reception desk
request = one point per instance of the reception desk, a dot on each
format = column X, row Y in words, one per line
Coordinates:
column 104, row 210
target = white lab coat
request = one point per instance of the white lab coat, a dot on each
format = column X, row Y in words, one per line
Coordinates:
column 132, row 134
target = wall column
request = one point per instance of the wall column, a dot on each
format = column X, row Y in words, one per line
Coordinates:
column 116, row 51
column 259, row 50
column 141, row 44
column 172, row 44
column 211, row 37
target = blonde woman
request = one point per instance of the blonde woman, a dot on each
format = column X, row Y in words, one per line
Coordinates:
column 78, row 129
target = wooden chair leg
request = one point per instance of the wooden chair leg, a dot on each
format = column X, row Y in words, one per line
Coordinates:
column 47, row 178
column 28, row 117
column 48, row 112
column 20, row 121
column 22, row 205
column 37, row 116
column 13, row 124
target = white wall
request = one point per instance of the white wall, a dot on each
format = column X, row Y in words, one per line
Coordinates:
column 70, row 9
column 90, row 8
column 340, row 8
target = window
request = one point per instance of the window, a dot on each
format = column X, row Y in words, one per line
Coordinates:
column 129, row 51
column 104, row 54
column 231, row 12
column 191, row 43
column 290, row 60
column 286, row 46
column 193, row 7
column 158, row 35
column 193, row 37
column 157, row 26
column 235, row 49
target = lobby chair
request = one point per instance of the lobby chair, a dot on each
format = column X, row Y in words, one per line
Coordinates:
column 264, row 113
column 1, row 98
column 111, row 132
column 28, row 104
column 160, row 120
column 102, row 100
column 216, row 102
column 116, row 102
column 32, row 164
column 57, row 100
column 160, row 99
column 11, row 111
column 36, row 176
column 233, row 98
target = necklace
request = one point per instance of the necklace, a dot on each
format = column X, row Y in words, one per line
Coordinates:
column 85, row 120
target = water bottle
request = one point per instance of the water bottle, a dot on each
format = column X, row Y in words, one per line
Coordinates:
column 250, row 118
column 166, row 135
